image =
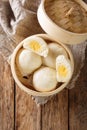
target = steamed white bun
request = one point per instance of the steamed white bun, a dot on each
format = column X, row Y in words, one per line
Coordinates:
column 63, row 68
column 54, row 51
column 37, row 45
column 27, row 61
column 44, row 79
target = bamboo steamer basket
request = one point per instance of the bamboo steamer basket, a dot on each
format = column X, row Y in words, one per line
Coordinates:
column 60, row 31
column 29, row 90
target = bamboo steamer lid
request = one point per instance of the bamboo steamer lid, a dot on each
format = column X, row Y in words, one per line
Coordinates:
column 30, row 89
column 65, row 20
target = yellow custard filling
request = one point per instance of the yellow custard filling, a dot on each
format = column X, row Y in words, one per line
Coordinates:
column 62, row 70
column 34, row 45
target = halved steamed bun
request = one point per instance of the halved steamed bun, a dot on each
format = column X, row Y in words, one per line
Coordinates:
column 54, row 51
column 37, row 45
column 27, row 61
column 63, row 68
column 44, row 79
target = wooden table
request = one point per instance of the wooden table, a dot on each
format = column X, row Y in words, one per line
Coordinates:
column 65, row 111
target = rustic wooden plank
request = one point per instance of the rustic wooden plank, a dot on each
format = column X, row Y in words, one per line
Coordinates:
column 6, row 97
column 52, row 115
column 78, row 102
column 55, row 112
column 28, row 114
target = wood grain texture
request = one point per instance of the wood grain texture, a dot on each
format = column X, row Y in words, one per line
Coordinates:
column 60, row 113
column 50, row 116
column 6, row 97
column 78, row 102
column 28, row 115
column 55, row 112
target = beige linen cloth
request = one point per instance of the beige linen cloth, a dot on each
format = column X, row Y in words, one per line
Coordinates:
column 18, row 19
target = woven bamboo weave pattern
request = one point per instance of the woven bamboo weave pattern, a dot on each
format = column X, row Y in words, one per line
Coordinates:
column 68, row 14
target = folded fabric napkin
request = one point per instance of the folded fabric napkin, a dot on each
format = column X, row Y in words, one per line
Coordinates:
column 18, row 19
